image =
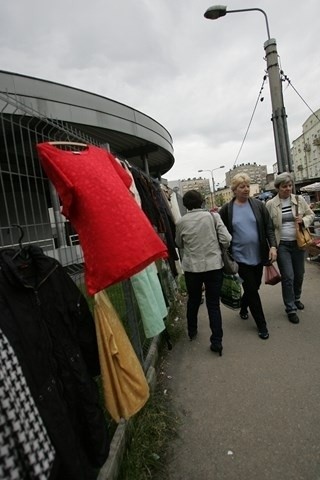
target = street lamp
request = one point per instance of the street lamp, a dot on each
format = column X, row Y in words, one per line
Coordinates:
column 279, row 116
column 212, row 193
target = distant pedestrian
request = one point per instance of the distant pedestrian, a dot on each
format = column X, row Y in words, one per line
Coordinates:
column 198, row 235
column 282, row 209
column 253, row 245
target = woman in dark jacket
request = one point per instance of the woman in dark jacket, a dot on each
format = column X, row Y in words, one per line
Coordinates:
column 253, row 244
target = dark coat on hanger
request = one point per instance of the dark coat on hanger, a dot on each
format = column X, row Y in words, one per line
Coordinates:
column 48, row 323
column 157, row 210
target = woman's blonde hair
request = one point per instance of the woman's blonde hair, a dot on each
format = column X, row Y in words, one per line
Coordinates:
column 238, row 179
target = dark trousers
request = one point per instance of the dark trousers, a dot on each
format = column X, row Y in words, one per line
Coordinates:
column 251, row 276
column 212, row 280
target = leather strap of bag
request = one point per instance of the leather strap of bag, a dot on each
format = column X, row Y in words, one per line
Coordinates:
column 297, row 205
column 215, row 226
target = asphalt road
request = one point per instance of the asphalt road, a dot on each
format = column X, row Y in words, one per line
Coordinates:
column 254, row 413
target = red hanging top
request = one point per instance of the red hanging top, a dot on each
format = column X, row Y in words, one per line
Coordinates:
column 117, row 238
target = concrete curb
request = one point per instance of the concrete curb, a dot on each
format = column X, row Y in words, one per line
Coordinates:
column 110, row 470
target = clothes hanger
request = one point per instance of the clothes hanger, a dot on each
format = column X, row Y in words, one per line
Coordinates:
column 74, row 144
column 21, row 234
column 23, row 251
column 70, row 144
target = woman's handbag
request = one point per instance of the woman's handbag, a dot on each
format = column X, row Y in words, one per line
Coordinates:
column 303, row 235
column 230, row 294
column 230, row 266
column 271, row 275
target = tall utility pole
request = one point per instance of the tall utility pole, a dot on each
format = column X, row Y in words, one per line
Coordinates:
column 279, row 116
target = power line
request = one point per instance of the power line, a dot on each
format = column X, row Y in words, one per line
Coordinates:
column 284, row 76
column 251, row 118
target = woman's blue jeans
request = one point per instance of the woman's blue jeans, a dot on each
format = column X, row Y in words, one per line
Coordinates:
column 291, row 262
column 212, row 280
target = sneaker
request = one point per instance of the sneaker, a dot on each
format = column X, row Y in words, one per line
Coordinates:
column 299, row 305
column 293, row 317
column 264, row 334
column 244, row 314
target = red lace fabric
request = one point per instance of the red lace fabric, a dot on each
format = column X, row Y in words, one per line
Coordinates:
column 116, row 237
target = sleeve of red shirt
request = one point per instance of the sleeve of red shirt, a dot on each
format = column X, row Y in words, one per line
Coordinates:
column 62, row 184
column 125, row 177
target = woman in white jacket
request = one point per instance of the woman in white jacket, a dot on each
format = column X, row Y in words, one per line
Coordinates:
column 198, row 236
column 291, row 259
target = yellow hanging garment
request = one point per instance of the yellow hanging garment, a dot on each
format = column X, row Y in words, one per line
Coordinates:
column 125, row 387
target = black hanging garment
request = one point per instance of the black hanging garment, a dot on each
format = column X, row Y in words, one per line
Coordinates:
column 50, row 328
column 153, row 205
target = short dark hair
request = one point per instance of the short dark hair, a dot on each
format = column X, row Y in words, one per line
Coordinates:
column 192, row 199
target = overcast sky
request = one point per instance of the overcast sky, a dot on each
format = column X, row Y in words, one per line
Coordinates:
column 199, row 78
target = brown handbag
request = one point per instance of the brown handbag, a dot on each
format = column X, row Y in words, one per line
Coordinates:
column 303, row 235
column 271, row 275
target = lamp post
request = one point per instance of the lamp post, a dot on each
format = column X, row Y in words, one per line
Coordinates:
column 212, row 193
column 279, row 116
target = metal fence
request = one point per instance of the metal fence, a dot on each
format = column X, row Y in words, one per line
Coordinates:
column 29, row 203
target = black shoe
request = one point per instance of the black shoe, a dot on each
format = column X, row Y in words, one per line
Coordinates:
column 264, row 334
column 293, row 317
column 217, row 348
column 299, row 305
column 244, row 315
column 192, row 336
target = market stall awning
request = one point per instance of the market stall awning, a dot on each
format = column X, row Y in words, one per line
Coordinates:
column 313, row 187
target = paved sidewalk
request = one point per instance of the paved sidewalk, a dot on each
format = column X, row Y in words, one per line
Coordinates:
column 254, row 413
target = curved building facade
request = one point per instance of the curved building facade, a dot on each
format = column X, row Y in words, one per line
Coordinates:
column 129, row 133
